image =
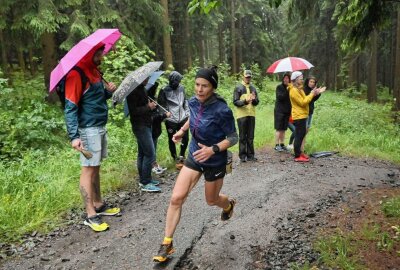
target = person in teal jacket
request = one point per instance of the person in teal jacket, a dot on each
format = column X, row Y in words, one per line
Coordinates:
column 86, row 115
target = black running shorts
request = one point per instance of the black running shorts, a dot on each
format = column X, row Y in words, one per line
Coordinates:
column 281, row 121
column 210, row 173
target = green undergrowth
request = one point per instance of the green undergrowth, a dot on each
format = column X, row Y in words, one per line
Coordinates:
column 39, row 171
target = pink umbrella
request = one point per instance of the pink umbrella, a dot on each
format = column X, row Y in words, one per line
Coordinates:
column 106, row 36
column 289, row 64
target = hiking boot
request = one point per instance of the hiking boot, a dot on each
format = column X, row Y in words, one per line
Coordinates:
column 252, row 159
column 228, row 215
column 301, row 159
column 96, row 224
column 106, row 210
column 163, row 252
column 149, row 187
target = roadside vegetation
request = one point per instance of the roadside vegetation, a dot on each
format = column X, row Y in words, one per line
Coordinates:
column 373, row 241
column 39, row 171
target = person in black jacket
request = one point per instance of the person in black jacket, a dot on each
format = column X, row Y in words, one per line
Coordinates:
column 140, row 112
column 282, row 113
column 309, row 84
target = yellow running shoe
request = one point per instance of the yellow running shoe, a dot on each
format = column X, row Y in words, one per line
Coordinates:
column 106, row 210
column 96, row 224
column 228, row 215
column 165, row 250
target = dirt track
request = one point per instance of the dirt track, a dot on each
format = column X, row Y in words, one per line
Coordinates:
column 267, row 193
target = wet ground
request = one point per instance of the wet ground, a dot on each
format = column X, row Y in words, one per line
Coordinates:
column 280, row 204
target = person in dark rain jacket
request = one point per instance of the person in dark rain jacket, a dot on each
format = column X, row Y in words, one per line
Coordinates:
column 212, row 126
column 282, row 113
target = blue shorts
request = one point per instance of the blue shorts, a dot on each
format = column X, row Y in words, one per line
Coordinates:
column 94, row 140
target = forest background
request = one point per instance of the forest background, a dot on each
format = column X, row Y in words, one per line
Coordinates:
column 354, row 46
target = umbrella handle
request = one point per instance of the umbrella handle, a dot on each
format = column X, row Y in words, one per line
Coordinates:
column 158, row 104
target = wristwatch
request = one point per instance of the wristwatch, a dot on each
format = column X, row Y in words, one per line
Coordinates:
column 215, row 148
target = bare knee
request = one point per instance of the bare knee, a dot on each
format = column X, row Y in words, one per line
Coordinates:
column 177, row 200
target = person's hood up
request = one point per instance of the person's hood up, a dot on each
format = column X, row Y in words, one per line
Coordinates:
column 87, row 64
column 174, row 79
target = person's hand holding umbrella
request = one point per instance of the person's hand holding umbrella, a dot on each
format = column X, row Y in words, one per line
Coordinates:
column 110, row 87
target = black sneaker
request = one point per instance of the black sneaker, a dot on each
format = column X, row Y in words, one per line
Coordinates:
column 96, row 224
column 163, row 252
column 252, row 159
column 228, row 215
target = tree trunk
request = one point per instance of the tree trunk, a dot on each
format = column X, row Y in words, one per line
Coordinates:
column 240, row 42
column 49, row 61
column 21, row 60
column 233, row 37
column 166, row 35
column 221, row 53
column 396, row 91
column 32, row 63
column 202, row 49
column 188, row 41
column 371, row 93
column 353, row 70
column 3, row 52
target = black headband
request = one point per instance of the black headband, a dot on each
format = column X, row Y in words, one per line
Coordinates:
column 209, row 74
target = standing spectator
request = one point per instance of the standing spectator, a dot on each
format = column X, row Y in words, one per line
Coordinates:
column 158, row 115
column 212, row 126
column 173, row 98
column 140, row 112
column 245, row 98
column 310, row 84
column 282, row 113
column 86, row 115
column 300, row 108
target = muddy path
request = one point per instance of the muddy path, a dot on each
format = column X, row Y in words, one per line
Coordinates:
column 268, row 192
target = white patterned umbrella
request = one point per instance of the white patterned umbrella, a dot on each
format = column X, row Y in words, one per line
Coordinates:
column 289, row 64
column 133, row 80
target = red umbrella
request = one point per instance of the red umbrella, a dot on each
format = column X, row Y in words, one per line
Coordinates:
column 289, row 64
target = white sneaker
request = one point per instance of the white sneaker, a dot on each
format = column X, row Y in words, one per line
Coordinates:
column 289, row 147
column 158, row 170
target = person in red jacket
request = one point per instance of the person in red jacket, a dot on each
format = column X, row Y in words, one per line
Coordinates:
column 86, row 115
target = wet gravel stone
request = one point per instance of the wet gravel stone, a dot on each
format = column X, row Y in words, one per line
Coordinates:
column 295, row 235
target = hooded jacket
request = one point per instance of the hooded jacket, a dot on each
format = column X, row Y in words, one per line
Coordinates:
column 173, row 98
column 210, row 123
column 85, row 106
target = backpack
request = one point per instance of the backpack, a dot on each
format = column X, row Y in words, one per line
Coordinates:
column 61, row 85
